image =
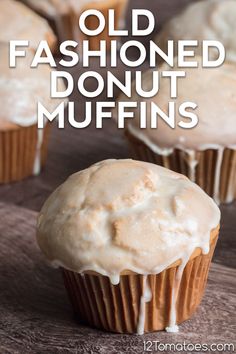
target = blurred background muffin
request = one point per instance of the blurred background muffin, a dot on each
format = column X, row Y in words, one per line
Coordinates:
column 23, row 146
column 204, row 20
column 18, row 22
column 63, row 15
column 205, row 153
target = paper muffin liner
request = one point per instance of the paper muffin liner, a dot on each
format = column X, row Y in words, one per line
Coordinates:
column 116, row 308
column 214, row 170
column 18, row 149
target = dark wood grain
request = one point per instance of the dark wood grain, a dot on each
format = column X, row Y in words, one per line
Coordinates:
column 36, row 316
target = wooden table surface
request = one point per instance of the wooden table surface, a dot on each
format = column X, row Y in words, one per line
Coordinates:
column 35, row 316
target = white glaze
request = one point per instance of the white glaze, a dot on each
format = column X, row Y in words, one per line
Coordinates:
column 146, row 197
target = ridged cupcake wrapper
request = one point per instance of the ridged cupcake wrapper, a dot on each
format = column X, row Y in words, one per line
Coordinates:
column 116, row 308
column 215, row 173
column 18, row 151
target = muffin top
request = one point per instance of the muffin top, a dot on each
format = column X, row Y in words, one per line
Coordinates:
column 214, row 92
column 125, row 215
column 204, row 20
column 18, row 22
column 21, row 88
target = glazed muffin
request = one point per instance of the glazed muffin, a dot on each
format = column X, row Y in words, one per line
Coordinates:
column 23, row 147
column 64, row 15
column 134, row 242
column 205, row 153
column 204, row 20
column 18, row 22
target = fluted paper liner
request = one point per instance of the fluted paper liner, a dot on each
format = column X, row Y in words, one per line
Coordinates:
column 18, row 150
column 206, row 168
column 115, row 308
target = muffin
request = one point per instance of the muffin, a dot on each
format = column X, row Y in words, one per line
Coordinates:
column 204, row 20
column 64, row 15
column 134, row 242
column 205, row 153
column 18, row 22
column 23, row 146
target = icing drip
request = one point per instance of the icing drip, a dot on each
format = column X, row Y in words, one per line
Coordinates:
column 173, row 327
column 114, row 279
column 37, row 159
column 192, row 164
column 216, row 190
column 146, row 297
